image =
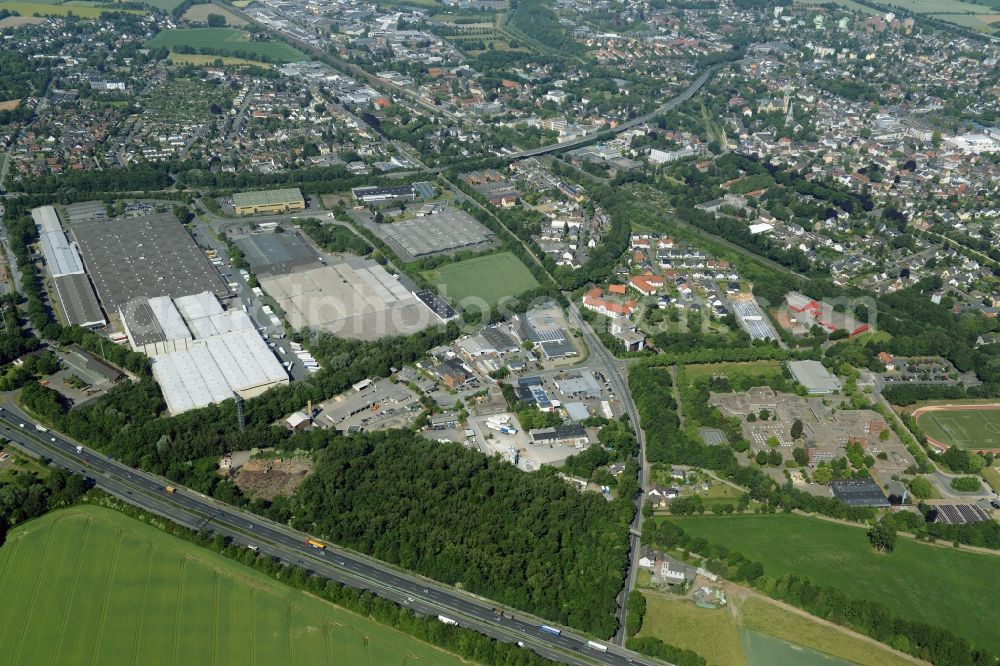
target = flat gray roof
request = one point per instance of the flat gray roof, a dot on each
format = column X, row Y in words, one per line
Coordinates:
column 276, row 254
column 78, row 301
column 814, row 376
column 144, row 257
column 441, row 231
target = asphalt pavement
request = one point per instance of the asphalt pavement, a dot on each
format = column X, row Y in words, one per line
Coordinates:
column 198, row 511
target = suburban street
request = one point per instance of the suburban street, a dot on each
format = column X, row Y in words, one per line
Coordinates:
column 198, row 511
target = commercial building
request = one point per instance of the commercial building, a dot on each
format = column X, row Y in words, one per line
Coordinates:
column 563, row 435
column 143, row 257
column 269, row 202
column 75, row 293
column 814, row 376
column 378, row 195
column 859, row 492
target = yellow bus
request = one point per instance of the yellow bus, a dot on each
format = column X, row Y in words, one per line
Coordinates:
column 316, row 544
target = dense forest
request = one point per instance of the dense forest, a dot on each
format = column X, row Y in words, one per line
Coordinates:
column 528, row 540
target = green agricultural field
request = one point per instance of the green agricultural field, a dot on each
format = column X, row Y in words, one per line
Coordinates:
column 492, row 278
column 56, row 9
column 165, row 6
column 840, row 556
column 89, row 585
column 763, row 650
column 225, row 41
column 963, row 428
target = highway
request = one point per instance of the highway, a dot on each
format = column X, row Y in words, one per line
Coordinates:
column 197, row 511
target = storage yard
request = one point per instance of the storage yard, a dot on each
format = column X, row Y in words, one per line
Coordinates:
column 355, row 298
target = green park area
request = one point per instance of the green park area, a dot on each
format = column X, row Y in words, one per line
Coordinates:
column 89, row 585
column 963, row 428
column 840, row 556
column 492, row 278
column 751, row 631
column 225, row 42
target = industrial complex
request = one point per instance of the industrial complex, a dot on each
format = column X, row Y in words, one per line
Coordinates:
column 201, row 353
column 144, row 257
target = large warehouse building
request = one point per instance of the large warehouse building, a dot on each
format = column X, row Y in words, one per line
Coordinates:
column 144, row 257
column 269, row 201
column 73, row 289
column 201, row 353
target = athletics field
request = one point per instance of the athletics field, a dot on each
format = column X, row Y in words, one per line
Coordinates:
column 975, row 427
column 89, row 585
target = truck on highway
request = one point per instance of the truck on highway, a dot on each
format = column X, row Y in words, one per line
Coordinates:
column 316, row 544
column 253, row 548
column 170, row 489
column 549, row 630
column 41, row 428
column 447, row 620
column 594, row 645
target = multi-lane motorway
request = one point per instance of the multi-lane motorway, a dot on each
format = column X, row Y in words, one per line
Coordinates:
column 196, row 511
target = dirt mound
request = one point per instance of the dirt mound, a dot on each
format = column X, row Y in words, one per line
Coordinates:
column 270, row 477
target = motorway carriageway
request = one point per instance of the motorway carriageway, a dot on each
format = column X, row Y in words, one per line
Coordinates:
column 197, row 511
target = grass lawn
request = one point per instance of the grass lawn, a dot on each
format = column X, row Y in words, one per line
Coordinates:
column 711, row 633
column 992, row 476
column 491, row 278
column 235, row 42
column 963, row 428
column 749, row 629
column 761, row 616
column 768, row 368
column 840, row 556
column 763, row 650
column 91, row 585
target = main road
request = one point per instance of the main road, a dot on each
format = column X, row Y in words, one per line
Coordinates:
column 601, row 356
column 198, row 511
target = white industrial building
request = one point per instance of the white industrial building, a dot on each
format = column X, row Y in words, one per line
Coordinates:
column 201, row 353
column 74, row 291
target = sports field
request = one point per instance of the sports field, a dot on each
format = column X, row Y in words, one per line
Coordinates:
column 491, row 278
column 89, row 585
column 963, row 427
column 228, row 41
column 840, row 556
